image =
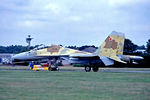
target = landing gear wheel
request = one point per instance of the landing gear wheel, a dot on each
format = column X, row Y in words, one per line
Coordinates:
column 87, row 68
column 57, row 69
column 95, row 69
column 49, row 68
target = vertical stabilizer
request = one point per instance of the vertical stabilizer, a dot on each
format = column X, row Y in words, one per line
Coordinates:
column 112, row 46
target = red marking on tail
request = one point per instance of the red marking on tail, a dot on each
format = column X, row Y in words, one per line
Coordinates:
column 110, row 39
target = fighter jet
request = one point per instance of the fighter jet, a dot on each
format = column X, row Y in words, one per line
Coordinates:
column 108, row 53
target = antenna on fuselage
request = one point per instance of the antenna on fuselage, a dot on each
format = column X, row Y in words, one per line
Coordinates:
column 28, row 40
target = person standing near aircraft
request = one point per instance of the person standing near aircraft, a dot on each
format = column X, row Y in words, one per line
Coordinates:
column 49, row 64
column 55, row 63
column 31, row 64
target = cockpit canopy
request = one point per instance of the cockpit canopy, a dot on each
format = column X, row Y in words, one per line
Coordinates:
column 41, row 46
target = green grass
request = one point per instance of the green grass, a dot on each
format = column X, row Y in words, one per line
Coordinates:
column 45, row 85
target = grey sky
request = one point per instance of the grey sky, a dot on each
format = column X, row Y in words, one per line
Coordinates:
column 73, row 22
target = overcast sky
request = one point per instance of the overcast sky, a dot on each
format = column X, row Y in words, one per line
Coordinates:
column 73, row 22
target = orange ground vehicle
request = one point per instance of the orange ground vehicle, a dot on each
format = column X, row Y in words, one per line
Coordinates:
column 45, row 66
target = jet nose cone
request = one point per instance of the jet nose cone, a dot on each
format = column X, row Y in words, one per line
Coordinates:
column 14, row 57
column 18, row 56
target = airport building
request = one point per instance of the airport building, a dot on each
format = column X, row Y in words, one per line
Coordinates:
column 5, row 58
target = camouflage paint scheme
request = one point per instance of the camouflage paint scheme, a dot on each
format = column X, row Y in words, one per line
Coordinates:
column 112, row 46
column 55, row 50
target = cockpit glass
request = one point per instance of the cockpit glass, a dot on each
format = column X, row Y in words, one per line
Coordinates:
column 42, row 46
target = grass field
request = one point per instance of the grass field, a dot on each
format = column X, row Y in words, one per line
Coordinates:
column 45, row 85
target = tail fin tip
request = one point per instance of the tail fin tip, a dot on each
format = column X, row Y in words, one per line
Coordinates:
column 117, row 34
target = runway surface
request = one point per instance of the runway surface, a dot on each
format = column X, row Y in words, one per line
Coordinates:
column 81, row 69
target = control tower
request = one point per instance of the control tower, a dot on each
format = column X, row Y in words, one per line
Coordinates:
column 28, row 40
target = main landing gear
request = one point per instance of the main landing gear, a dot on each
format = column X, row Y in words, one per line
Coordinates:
column 88, row 68
column 95, row 69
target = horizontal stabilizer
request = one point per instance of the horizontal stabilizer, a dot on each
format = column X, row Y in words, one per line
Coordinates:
column 107, row 61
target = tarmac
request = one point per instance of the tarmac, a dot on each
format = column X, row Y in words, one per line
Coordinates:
column 78, row 69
